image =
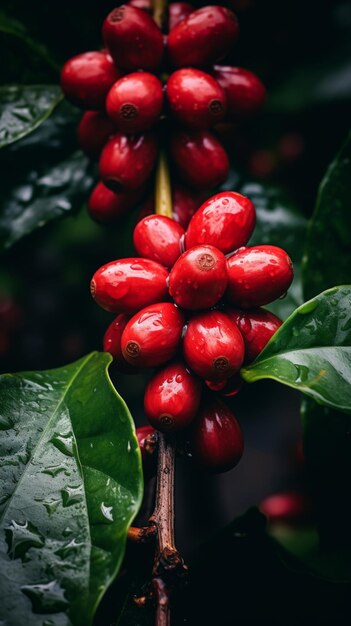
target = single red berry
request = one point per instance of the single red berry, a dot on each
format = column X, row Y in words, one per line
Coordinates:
column 229, row 387
column 127, row 161
column 127, row 285
column 199, row 278
column 178, row 11
column 106, row 206
column 202, row 38
column 217, row 442
column 289, row 507
column 158, row 238
column 213, row 346
column 200, row 158
column 93, row 131
column 257, row 326
column 152, row 336
column 112, row 338
column 172, row 398
column 147, row 440
column 195, row 98
column 145, row 5
column 87, row 78
column 225, row 221
column 258, row 275
column 135, row 102
column 133, row 39
column 244, row 90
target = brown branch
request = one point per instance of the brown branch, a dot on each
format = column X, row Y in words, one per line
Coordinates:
column 142, row 535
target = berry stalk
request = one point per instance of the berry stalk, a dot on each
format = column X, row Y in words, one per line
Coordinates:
column 159, row 10
column 163, row 191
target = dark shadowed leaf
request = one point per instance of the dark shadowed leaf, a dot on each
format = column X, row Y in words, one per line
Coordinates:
column 327, row 257
column 23, row 108
column 71, row 483
column 311, row 351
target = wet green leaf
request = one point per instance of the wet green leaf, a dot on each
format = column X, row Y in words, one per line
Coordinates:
column 327, row 257
column 311, row 351
column 279, row 223
column 23, row 108
column 71, row 484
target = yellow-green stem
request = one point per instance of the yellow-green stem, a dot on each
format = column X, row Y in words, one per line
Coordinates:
column 163, row 190
column 159, row 8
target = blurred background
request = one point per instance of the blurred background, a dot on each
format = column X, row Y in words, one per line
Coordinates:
column 302, row 53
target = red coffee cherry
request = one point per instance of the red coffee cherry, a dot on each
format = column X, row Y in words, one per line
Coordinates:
column 199, row 278
column 133, row 39
column 244, row 90
column 217, row 443
column 172, row 398
column 145, row 5
column 202, row 38
column 152, row 336
column 87, row 78
column 289, row 507
column 225, row 221
column 258, row 275
column 106, row 206
column 112, row 338
column 200, row 158
column 147, row 440
column 178, row 11
column 195, row 98
column 127, row 285
column 93, row 131
column 257, row 326
column 126, row 161
column 135, row 102
column 213, row 346
column 158, row 238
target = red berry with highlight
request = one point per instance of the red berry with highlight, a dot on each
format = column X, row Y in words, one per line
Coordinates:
column 290, row 507
column 94, row 129
column 133, row 39
column 203, row 38
column 199, row 278
column 127, row 285
column 127, row 161
column 106, row 206
column 213, row 346
column 225, row 220
column 257, row 326
column 244, row 90
column 158, row 238
column 258, row 275
column 135, row 102
column 178, row 11
column 112, row 338
column 217, row 443
column 195, row 98
column 200, row 158
column 172, row 398
column 145, row 5
column 152, row 336
column 87, row 78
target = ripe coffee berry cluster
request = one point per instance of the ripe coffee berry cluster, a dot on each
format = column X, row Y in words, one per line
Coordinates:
column 145, row 88
column 189, row 305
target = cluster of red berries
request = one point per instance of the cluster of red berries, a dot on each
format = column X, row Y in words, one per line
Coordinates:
column 189, row 305
column 142, row 79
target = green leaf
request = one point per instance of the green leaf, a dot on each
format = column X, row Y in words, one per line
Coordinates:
column 11, row 26
column 44, row 197
column 279, row 223
column 327, row 258
column 71, row 484
column 23, row 108
column 311, row 351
